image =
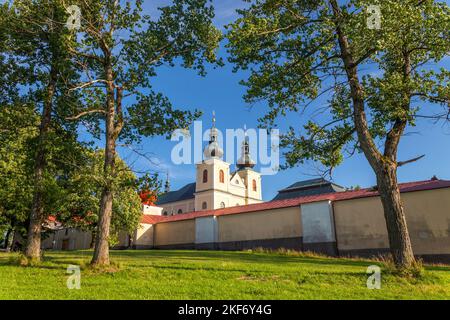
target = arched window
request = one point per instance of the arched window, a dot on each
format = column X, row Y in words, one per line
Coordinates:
column 254, row 185
column 221, row 176
column 222, row 205
column 205, row 176
column 204, row 205
column 180, row 211
column 165, row 213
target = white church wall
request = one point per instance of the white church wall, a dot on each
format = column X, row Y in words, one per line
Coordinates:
column 217, row 184
column 237, row 186
column 152, row 210
column 255, row 194
column 215, row 198
column 207, row 197
column 228, row 199
column 173, row 207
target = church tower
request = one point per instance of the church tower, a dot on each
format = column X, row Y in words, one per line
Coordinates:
column 216, row 187
column 213, row 174
column 251, row 178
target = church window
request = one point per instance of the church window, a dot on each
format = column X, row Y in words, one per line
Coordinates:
column 180, row 211
column 221, row 176
column 254, row 185
column 237, row 181
column 205, row 176
column 222, row 205
column 204, row 205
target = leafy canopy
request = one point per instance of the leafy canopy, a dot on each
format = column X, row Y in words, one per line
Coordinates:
column 136, row 45
column 292, row 51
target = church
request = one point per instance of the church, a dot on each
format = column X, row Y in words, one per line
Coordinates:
column 217, row 186
column 223, row 210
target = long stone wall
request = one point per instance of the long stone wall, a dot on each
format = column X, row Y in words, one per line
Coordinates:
column 361, row 228
column 349, row 227
column 280, row 228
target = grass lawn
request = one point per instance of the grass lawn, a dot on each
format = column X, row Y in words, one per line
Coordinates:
column 212, row 275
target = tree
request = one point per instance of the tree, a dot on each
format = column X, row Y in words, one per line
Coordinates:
column 17, row 128
column 149, row 187
column 301, row 51
column 19, row 132
column 79, row 207
column 34, row 38
column 119, row 50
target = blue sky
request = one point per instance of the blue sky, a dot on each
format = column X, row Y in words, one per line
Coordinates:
column 220, row 91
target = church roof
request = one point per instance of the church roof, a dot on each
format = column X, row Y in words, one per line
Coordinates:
column 335, row 196
column 308, row 188
column 185, row 193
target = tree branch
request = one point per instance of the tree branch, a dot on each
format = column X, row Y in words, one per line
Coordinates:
column 402, row 163
column 84, row 113
column 87, row 84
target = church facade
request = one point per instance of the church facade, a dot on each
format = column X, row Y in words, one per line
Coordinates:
column 217, row 186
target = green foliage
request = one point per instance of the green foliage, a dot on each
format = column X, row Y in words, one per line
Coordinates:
column 118, row 50
column 35, row 69
column 72, row 184
column 18, row 134
column 17, row 129
column 79, row 207
column 183, row 33
column 34, row 50
column 292, row 51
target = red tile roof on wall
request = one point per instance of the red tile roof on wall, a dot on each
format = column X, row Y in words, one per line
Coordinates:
column 151, row 219
column 336, row 196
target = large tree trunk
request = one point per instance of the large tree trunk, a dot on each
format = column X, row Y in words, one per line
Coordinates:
column 399, row 240
column 384, row 165
column 101, row 250
column 33, row 249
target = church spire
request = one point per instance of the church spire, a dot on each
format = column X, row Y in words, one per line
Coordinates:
column 213, row 149
column 167, row 184
column 245, row 161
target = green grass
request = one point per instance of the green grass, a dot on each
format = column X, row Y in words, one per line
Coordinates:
column 213, row 275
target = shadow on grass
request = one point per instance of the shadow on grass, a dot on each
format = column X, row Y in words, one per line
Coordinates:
column 241, row 256
column 230, row 256
column 200, row 256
